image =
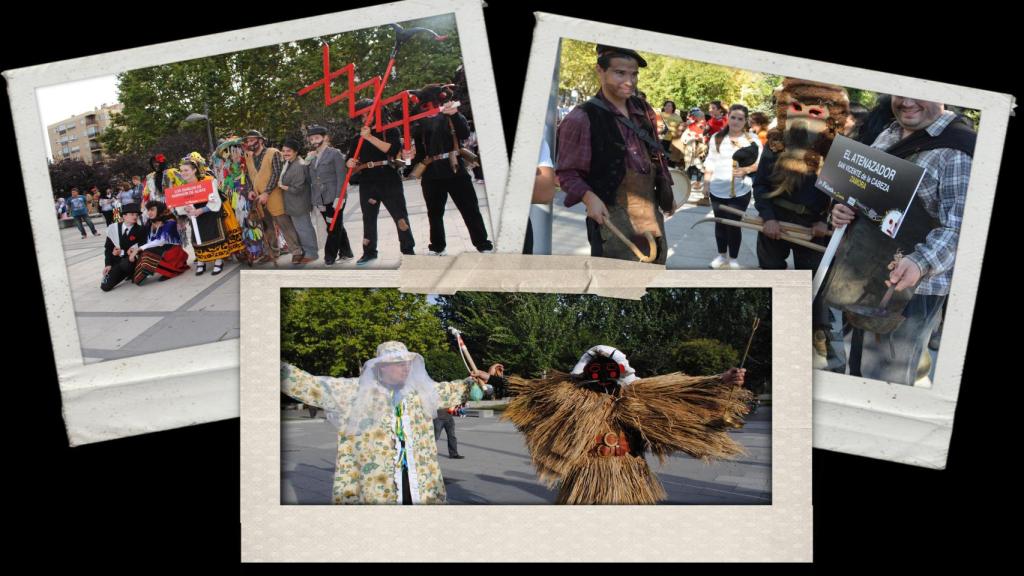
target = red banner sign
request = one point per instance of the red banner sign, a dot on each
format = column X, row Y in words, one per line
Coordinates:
column 188, row 194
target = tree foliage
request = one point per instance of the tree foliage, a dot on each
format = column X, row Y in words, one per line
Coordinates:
column 257, row 88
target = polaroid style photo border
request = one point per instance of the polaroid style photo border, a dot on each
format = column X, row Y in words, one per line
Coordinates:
column 272, row 532
column 130, row 396
column 853, row 415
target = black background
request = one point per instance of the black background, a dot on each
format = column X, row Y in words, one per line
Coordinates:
column 141, row 503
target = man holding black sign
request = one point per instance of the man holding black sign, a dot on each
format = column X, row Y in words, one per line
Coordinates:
column 942, row 143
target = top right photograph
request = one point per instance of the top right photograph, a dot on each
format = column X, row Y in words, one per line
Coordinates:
column 692, row 165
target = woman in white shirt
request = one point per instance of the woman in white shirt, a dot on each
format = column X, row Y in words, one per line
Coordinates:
column 107, row 206
column 730, row 185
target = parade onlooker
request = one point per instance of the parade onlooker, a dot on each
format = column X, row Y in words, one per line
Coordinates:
column 728, row 184
column 125, row 196
column 80, row 212
column 759, row 126
column 668, row 125
column 107, row 206
column 716, row 120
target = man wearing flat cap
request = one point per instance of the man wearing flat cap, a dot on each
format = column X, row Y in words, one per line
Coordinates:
column 326, row 173
column 609, row 158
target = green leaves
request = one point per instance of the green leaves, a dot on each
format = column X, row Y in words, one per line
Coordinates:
column 700, row 331
column 705, row 356
column 334, row 331
column 256, row 89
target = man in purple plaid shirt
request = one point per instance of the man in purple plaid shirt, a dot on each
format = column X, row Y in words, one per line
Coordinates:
column 945, row 152
column 606, row 165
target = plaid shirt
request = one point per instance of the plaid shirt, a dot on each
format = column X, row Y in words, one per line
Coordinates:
column 275, row 169
column 943, row 193
column 574, row 153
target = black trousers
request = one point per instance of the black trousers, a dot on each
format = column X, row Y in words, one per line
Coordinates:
column 772, row 255
column 390, row 193
column 108, row 217
column 446, row 421
column 460, row 188
column 406, row 487
column 528, row 241
column 337, row 245
column 729, row 237
column 120, row 271
column 594, row 237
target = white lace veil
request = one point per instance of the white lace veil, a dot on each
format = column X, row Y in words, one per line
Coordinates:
column 381, row 388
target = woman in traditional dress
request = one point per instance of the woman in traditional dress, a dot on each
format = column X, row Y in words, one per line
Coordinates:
column 216, row 234
column 162, row 253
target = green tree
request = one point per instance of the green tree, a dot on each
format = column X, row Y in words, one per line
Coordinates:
column 257, row 88
column 69, row 172
column 532, row 333
column 686, row 82
column 515, row 329
column 576, row 68
column 334, row 331
column 705, row 356
column 444, row 365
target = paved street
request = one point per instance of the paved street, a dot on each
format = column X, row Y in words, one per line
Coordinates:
column 497, row 467
column 191, row 310
column 688, row 248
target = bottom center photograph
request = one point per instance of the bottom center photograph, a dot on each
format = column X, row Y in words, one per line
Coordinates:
column 389, row 397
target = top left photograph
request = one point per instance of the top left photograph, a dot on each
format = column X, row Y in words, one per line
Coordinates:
column 337, row 151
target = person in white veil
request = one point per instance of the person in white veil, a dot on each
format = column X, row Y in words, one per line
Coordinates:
column 386, row 448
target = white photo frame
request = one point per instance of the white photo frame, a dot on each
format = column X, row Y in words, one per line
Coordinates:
column 853, row 415
column 272, row 532
column 130, row 396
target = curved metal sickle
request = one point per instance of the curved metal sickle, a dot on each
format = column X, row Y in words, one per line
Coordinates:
column 403, row 35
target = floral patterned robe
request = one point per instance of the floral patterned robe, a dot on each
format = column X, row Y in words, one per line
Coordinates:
column 367, row 468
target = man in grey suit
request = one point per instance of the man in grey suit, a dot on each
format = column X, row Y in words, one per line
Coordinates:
column 327, row 172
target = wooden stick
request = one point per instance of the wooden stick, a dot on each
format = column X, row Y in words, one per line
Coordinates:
column 464, row 351
column 629, row 243
column 757, row 322
column 785, row 235
column 755, row 220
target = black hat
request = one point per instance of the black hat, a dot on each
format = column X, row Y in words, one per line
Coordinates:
column 255, row 133
column 130, row 208
column 315, row 130
column 602, row 50
column 292, row 143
